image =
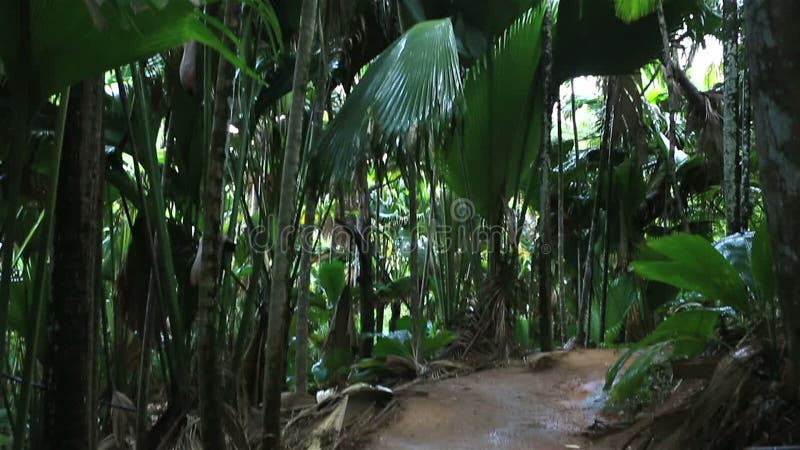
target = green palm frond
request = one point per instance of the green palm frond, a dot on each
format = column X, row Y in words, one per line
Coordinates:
column 501, row 132
column 69, row 42
column 414, row 86
column 633, row 10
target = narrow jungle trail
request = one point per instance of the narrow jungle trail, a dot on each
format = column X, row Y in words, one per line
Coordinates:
column 542, row 405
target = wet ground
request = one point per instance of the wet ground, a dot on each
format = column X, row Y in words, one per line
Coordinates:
column 516, row 407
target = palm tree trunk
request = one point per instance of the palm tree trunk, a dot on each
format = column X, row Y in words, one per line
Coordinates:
column 560, row 262
column 76, row 251
column 365, row 274
column 606, row 248
column 279, row 290
column 303, row 282
column 745, row 208
column 415, row 300
column 730, row 108
column 209, row 383
column 773, row 53
column 545, row 233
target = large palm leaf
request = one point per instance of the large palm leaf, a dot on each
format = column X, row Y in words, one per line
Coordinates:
column 500, row 137
column 69, row 42
column 414, row 84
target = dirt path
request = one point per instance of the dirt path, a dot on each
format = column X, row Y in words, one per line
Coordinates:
column 507, row 408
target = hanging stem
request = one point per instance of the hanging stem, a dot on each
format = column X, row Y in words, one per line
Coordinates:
column 667, row 64
column 35, row 332
column 560, row 278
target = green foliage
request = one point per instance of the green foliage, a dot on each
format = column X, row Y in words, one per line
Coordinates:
column 522, row 332
column 398, row 345
column 761, row 264
column 69, row 43
column 332, row 278
column 633, row 10
column 412, row 88
column 335, row 365
column 5, row 424
column 475, row 25
column 690, row 262
column 623, row 294
column 501, row 134
column 683, row 335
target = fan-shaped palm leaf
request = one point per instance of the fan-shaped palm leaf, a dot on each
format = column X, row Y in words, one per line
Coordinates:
column 413, row 84
column 500, row 137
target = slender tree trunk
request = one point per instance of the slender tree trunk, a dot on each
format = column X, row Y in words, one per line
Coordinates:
column 545, row 231
column 279, row 290
column 587, row 288
column 76, row 251
column 560, row 279
column 415, row 299
column 606, row 248
column 365, row 273
column 209, row 373
column 745, row 209
column 730, row 108
column 303, row 295
column 576, row 141
column 773, row 55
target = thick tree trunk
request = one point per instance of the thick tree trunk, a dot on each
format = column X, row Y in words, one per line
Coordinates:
column 209, row 374
column 76, row 253
column 730, row 109
column 279, row 291
column 773, row 55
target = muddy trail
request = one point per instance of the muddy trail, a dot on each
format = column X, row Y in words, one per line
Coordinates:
column 542, row 404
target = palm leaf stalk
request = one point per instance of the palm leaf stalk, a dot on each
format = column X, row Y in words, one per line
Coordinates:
column 668, row 65
column 148, row 158
column 38, row 313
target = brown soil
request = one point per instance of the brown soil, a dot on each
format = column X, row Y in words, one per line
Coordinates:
column 535, row 405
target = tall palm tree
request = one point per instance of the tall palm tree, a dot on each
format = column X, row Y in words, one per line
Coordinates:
column 209, row 373
column 279, row 290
